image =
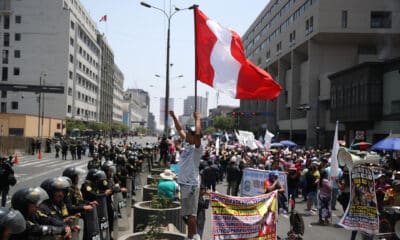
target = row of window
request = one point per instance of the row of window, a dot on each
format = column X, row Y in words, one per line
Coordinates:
column 6, row 38
column 89, row 43
column 82, row 112
column 6, row 20
column 3, row 108
column 282, row 27
column 89, row 58
column 4, row 73
column 5, row 55
column 87, row 84
column 81, row 12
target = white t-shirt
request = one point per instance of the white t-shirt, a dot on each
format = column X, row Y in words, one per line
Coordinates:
column 189, row 162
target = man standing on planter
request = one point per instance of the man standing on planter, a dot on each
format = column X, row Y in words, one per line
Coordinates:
column 188, row 177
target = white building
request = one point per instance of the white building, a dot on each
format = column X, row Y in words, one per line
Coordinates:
column 52, row 40
column 162, row 110
column 139, row 105
column 118, row 95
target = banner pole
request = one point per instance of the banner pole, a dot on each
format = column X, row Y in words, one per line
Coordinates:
column 195, row 57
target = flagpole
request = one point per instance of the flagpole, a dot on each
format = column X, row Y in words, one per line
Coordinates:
column 195, row 58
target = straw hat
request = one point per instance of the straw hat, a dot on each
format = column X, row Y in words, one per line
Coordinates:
column 167, row 175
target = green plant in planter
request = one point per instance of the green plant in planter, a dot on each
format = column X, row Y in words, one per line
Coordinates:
column 159, row 202
column 154, row 228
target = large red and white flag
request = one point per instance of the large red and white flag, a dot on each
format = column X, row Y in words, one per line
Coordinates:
column 222, row 64
column 103, row 18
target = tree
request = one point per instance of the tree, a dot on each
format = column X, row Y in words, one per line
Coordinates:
column 210, row 130
column 223, row 123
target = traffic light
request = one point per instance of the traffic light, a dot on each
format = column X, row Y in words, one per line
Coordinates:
column 233, row 114
column 242, row 113
column 254, row 113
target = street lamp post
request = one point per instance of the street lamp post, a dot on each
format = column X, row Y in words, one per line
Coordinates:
column 168, row 16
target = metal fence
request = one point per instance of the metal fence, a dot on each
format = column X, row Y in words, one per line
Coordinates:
column 14, row 144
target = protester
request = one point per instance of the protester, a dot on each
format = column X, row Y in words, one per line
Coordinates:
column 325, row 193
column 232, row 177
column 188, row 178
column 204, row 202
column 209, row 176
column 167, row 187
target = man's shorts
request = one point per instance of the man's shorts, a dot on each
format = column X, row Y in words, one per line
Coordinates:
column 190, row 199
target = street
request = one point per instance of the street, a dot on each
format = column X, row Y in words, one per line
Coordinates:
column 31, row 172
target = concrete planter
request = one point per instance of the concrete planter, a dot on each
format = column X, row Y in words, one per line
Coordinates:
column 156, row 171
column 142, row 211
column 164, row 235
column 153, row 178
column 148, row 192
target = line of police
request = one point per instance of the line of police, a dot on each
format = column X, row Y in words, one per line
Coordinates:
column 55, row 209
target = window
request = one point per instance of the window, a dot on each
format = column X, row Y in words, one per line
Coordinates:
column 4, row 56
column 6, row 22
column 71, row 58
column 279, row 47
column 70, row 74
column 69, row 91
column 292, row 37
column 381, row 19
column 309, row 25
column 72, row 25
column 14, row 105
column 71, row 41
column 344, row 19
column 268, row 54
column 6, row 40
column 69, row 108
column 4, row 74
column 3, row 107
column 17, row 37
column 78, row 111
column 17, row 53
column 16, row 71
column 3, row 94
column 18, row 19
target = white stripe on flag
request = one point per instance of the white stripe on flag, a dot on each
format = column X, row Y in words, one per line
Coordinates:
column 226, row 68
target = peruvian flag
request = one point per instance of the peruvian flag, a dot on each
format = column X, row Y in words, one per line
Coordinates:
column 103, row 18
column 222, row 64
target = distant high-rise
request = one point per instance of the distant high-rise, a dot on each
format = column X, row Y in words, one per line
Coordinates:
column 188, row 106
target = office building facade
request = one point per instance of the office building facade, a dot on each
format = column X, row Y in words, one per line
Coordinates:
column 52, row 42
column 118, row 95
column 301, row 43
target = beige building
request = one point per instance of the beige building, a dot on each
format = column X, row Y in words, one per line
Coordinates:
column 27, row 125
column 301, row 43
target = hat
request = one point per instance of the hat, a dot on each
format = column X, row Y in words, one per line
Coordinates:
column 233, row 159
column 167, row 175
column 274, row 173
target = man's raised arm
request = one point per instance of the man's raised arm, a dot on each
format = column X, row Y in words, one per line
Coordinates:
column 178, row 125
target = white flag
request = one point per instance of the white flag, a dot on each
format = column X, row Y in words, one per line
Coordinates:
column 217, row 146
column 267, row 139
column 335, row 150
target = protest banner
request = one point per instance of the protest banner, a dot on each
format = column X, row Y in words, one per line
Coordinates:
column 253, row 182
column 244, row 217
column 361, row 213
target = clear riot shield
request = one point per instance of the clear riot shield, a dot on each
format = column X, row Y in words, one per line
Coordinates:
column 78, row 235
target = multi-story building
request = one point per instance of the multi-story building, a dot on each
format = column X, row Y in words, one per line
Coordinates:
column 118, row 94
column 301, row 43
column 151, row 123
column 107, row 80
column 139, row 105
column 188, row 106
column 52, row 42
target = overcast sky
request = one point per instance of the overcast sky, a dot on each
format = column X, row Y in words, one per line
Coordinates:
column 137, row 36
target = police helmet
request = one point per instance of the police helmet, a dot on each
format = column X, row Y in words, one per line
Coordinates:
column 52, row 185
column 72, row 173
column 24, row 196
column 107, row 166
column 12, row 219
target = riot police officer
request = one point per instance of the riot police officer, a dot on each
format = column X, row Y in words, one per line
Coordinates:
column 57, row 188
column 95, row 163
column 11, row 222
column 27, row 200
column 74, row 199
